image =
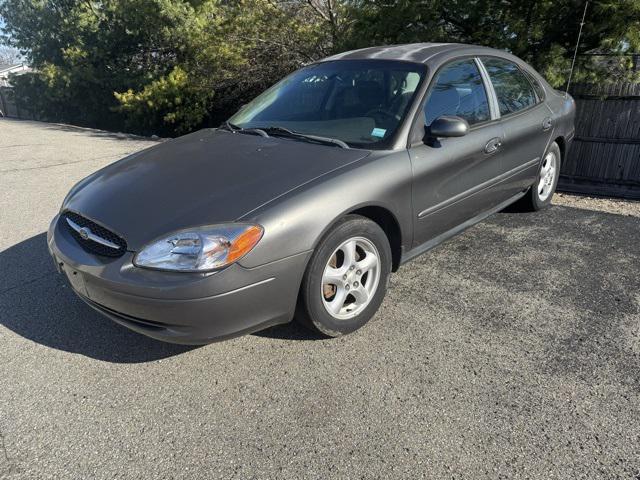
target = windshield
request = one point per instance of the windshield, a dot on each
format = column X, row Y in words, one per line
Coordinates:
column 361, row 102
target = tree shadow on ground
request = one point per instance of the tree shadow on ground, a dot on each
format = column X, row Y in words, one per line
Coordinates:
column 93, row 132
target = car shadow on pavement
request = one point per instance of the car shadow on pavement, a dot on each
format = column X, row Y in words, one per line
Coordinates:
column 37, row 303
column 290, row 331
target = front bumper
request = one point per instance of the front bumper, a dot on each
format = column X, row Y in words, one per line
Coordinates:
column 188, row 308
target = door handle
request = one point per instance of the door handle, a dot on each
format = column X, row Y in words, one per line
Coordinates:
column 493, row 145
column 547, row 123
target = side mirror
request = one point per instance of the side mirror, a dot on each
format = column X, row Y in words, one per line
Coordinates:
column 448, row 126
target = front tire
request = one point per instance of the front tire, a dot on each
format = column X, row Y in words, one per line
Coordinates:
column 346, row 279
column 541, row 192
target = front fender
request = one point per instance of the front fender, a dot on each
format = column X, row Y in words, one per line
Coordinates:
column 296, row 222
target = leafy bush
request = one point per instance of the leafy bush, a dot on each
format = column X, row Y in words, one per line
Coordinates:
column 171, row 66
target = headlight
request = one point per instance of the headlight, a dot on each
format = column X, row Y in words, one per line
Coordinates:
column 200, row 249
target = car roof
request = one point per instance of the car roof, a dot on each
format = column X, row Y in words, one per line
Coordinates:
column 418, row 52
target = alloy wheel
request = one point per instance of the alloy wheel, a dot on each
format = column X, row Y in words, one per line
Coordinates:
column 350, row 278
column 547, row 176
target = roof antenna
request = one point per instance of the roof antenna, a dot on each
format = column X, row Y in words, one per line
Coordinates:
column 575, row 52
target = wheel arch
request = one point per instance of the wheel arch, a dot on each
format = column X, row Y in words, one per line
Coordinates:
column 384, row 218
column 389, row 224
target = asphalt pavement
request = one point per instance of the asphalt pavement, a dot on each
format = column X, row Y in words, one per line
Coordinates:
column 512, row 351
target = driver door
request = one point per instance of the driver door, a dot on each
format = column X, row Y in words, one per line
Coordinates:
column 454, row 178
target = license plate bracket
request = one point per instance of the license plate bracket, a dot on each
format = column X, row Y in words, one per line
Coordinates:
column 77, row 281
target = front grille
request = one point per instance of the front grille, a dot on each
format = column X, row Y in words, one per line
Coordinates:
column 98, row 230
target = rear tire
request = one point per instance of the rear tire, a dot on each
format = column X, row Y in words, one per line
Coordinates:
column 346, row 279
column 541, row 192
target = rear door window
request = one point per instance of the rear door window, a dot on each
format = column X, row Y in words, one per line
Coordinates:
column 512, row 88
column 458, row 91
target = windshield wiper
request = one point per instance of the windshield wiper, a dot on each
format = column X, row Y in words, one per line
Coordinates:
column 285, row 132
column 227, row 125
column 236, row 129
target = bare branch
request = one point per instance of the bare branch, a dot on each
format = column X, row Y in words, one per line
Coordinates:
column 318, row 10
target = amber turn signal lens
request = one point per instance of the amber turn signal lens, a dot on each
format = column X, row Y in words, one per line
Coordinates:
column 244, row 243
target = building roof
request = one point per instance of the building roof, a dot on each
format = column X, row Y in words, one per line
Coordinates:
column 13, row 69
column 19, row 67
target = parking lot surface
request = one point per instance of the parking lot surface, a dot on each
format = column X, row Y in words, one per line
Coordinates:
column 512, row 351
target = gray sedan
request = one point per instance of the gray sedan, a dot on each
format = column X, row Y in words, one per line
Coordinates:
column 303, row 203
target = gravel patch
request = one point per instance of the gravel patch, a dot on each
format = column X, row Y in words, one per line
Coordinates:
column 629, row 208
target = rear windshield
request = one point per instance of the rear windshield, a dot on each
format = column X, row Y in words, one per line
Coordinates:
column 361, row 102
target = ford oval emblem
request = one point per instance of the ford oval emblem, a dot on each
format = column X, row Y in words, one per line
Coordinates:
column 84, row 233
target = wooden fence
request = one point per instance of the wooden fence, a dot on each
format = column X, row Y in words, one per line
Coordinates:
column 605, row 156
column 8, row 106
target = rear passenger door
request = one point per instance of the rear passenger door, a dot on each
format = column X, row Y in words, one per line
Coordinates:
column 526, row 121
column 454, row 178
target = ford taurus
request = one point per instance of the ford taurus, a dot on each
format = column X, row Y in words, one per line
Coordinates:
column 303, row 203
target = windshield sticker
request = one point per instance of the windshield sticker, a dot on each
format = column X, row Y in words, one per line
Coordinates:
column 378, row 132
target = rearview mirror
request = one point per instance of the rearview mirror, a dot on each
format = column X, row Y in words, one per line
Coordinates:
column 448, row 126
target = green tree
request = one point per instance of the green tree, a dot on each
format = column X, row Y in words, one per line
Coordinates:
column 543, row 32
column 86, row 51
column 154, row 66
column 170, row 66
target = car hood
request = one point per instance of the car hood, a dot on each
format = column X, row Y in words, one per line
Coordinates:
column 208, row 177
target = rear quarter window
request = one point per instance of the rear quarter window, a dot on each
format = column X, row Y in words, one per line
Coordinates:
column 536, row 85
column 513, row 89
